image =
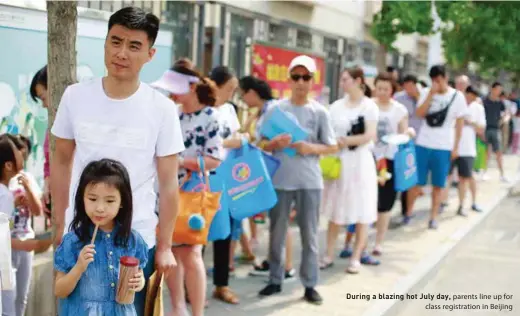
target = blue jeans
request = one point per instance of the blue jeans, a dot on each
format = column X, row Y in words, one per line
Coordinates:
column 140, row 297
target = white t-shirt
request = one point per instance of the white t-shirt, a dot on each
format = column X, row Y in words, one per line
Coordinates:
column 343, row 116
column 133, row 131
column 229, row 123
column 388, row 123
column 468, row 140
column 6, row 201
column 442, row 137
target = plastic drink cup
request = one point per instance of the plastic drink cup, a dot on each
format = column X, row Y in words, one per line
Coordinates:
column 128, row 268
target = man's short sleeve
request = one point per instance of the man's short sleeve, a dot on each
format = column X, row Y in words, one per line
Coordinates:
column 169, row 141
column 326, row 132
column 63, row 126
column 460, row 105
column 422, row 96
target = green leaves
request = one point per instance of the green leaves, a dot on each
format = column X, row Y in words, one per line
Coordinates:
column 484, row 32
column 401, row 18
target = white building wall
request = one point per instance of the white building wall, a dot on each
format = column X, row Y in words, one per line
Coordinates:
column 339, row 17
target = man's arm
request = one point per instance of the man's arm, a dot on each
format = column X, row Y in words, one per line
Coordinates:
column 168, row 199
column 61, row 166
column 422, row 109
column 458, row 133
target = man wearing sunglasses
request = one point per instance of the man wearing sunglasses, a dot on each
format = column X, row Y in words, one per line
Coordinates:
column 299, row 179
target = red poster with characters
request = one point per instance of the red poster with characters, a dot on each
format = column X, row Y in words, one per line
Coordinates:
column 272, row 63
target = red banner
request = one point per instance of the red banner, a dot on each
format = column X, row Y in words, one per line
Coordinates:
column 272, row 63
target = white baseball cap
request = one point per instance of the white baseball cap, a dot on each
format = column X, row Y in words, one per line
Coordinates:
column 304, row 61
column 175, row 82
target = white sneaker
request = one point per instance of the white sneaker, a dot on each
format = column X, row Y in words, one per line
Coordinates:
column 485, row 177
column 504, row 179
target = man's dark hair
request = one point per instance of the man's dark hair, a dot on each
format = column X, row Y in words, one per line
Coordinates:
column 472, row 90
column 409, row 78
column 134, row 18
column 390, row 69
column 39, row 78
column 437, row 70
column 496, row 84
column 259, row 86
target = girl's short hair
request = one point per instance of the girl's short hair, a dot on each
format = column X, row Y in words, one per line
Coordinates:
column 6, row 152
column 39, row 78
column 386, row 76
column 110, row 172
column 261, row 87
column 205, row 89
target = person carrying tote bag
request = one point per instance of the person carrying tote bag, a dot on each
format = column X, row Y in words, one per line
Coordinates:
column 196, row 212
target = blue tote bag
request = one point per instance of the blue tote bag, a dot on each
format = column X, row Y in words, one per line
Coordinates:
column 280, row 122
column 220, row 228
column 247, row 180
column 405, row 167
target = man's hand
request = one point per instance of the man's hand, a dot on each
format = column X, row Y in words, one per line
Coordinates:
column 454, row 154
column 342, row 142
column 59, row 233
column 435, row 88
column 164, row 260
column 281, row 141
column 20, row 200
column 304, row 148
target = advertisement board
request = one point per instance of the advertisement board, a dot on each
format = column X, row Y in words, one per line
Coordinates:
column 271, row 64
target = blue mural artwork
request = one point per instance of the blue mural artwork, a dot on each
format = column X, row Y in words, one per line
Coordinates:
column 23, row 57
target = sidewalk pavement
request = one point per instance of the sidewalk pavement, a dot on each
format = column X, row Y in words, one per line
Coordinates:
column 409, row 253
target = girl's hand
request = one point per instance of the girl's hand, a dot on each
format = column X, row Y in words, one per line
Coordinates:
column 86, row 256
column 20, row 200
column 137, row 283
column 23, row 181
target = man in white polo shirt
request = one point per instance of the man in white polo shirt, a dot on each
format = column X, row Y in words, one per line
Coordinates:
column 121, row 118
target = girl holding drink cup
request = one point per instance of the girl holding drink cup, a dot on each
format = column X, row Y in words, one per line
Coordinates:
column 98, row 272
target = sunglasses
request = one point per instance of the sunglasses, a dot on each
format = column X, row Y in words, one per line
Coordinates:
column 297, row 78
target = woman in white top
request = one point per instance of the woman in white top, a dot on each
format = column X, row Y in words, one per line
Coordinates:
column 393, row 119
column 352, row 199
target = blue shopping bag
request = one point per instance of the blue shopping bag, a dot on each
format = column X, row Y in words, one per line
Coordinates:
column 220, row 228
column 247, row 180
column 271, row 162
column 405, row 167
column 280, row 122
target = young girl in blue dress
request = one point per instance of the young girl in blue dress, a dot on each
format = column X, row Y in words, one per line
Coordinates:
column 87, row 274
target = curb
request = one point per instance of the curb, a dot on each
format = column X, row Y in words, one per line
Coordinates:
column 407, row 282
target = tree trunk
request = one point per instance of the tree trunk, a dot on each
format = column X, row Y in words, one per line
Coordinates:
column 62, row 23
column 381, row 58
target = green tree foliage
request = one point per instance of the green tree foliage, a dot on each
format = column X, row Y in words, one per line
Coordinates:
column 484, row 32
column 401, row 17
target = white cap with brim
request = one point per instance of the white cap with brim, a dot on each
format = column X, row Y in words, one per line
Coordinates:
column 303, row 61
column 175, row 82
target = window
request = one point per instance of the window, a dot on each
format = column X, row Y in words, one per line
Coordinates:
column 330, row 45
column 278, row 34
column 368, row 53
column 351, row 51
column 303, row 39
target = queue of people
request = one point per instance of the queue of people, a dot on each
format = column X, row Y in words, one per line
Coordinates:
column 124, row 149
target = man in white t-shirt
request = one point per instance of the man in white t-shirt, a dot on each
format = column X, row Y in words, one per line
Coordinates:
column 121, row 118
column 444, row 109
column 474, row 123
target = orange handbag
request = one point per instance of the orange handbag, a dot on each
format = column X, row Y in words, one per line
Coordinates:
column 196, row 212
